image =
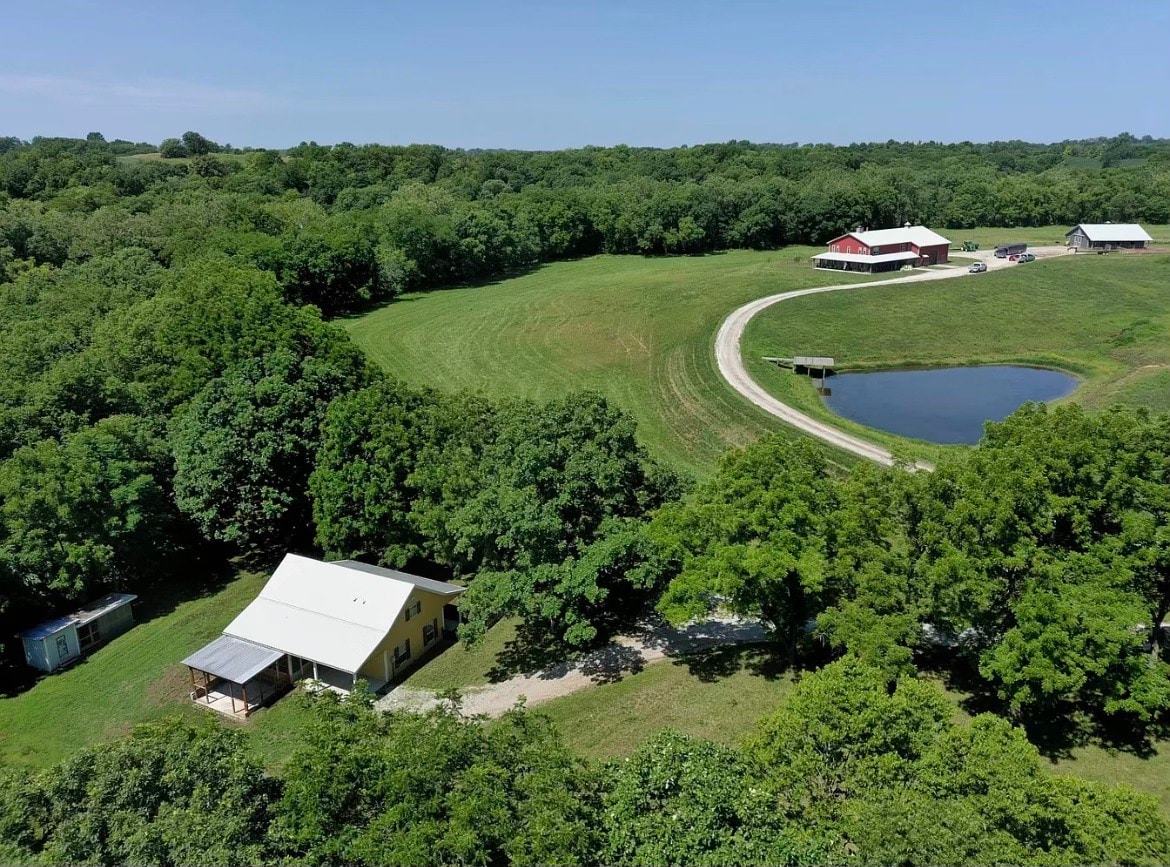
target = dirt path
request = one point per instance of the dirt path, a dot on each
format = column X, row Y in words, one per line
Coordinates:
column 731, row 366
column 627, row 654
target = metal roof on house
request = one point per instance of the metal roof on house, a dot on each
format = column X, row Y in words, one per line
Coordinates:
column 920, row 236
column 233, row 659
column 81, row 616
column 1112, row 232
column 873, row 260
column 331, row 613
column 441, row 587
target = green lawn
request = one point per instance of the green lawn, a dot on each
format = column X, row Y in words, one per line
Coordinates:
column 458, row 666
column 717, row 694
column 639, row 330
column 1106, row 318
column 1149, row 775
column 722, row 695
column 135, row 678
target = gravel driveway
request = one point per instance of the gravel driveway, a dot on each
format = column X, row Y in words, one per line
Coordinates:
column 627, row 654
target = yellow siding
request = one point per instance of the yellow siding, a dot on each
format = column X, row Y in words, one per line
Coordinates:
column 432, row 608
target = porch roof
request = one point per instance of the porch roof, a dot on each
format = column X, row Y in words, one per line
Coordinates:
column 233, row 659
column 860, row 257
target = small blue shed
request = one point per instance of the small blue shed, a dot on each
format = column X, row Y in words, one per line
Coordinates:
column 62, row 640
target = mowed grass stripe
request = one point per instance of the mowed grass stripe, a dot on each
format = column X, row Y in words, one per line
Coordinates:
column 639, row 330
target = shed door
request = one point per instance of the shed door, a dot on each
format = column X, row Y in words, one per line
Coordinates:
column 62, row 648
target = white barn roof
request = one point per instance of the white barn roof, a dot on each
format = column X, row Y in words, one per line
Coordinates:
column 1112, row 232
column 920, row 236
column 335, row 614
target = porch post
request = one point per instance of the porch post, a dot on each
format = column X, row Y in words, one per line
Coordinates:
column 232, row 695
column 386, row 665
column 244, row 687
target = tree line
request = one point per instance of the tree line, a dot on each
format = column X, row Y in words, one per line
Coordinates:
column 857, row 767
column 345, row 225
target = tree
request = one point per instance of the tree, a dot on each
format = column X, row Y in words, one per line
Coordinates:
column 576, row 601
column 436, row 788
column 244, row 448
column 1047, row 542
column 362, row 483
column 138, row 801
column 172, row 148
column 547, row 478
column 682, row 800
column 877, row 765
column 88, row 514
column 755, row 537
column 196, row 145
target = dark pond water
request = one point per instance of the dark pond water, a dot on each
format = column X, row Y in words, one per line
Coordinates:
column 945, row 405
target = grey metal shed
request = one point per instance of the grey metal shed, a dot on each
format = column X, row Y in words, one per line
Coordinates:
column 64, row 640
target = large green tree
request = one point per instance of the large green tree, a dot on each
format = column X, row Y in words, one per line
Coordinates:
column 756, row 539
column 87, row 514
column 244, row 448
column 408, row 789
column 171, row 794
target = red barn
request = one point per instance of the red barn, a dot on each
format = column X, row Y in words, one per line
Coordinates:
column 885, row 250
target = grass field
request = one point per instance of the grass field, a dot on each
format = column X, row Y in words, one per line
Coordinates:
column 1106, row 318
column 639, row 330
column 719, row 694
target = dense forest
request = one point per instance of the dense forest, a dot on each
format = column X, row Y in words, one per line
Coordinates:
column 173, row 397
column 852, row 770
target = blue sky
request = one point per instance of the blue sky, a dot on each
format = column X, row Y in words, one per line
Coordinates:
column 505, row 73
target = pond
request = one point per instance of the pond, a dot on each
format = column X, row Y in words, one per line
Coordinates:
column 946, row 405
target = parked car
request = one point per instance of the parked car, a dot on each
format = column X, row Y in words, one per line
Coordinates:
column 1015, row 257
column 977, row 267
column 1026, row 257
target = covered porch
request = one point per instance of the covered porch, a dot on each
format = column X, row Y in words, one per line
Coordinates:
column 236, row 677
column 863, row 263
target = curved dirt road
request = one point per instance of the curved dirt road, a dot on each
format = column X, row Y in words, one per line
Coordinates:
column 731, row 366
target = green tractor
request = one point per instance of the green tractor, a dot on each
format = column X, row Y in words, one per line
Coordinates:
column 970, row 246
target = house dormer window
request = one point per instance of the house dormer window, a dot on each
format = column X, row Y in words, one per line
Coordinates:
column 413, row 609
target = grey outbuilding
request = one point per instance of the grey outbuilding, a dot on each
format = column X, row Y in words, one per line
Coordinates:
column 1108, row 236
column 64, row 640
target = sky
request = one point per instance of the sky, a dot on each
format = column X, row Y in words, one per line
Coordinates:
column 522, row 74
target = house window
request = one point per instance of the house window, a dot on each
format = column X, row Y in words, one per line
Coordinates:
column 62, row 647
column 413, row 609
column 88, row 636
column 402, row 652
column 430, row 631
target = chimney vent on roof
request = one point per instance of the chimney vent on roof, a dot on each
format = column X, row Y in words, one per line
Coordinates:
column 907, row 226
